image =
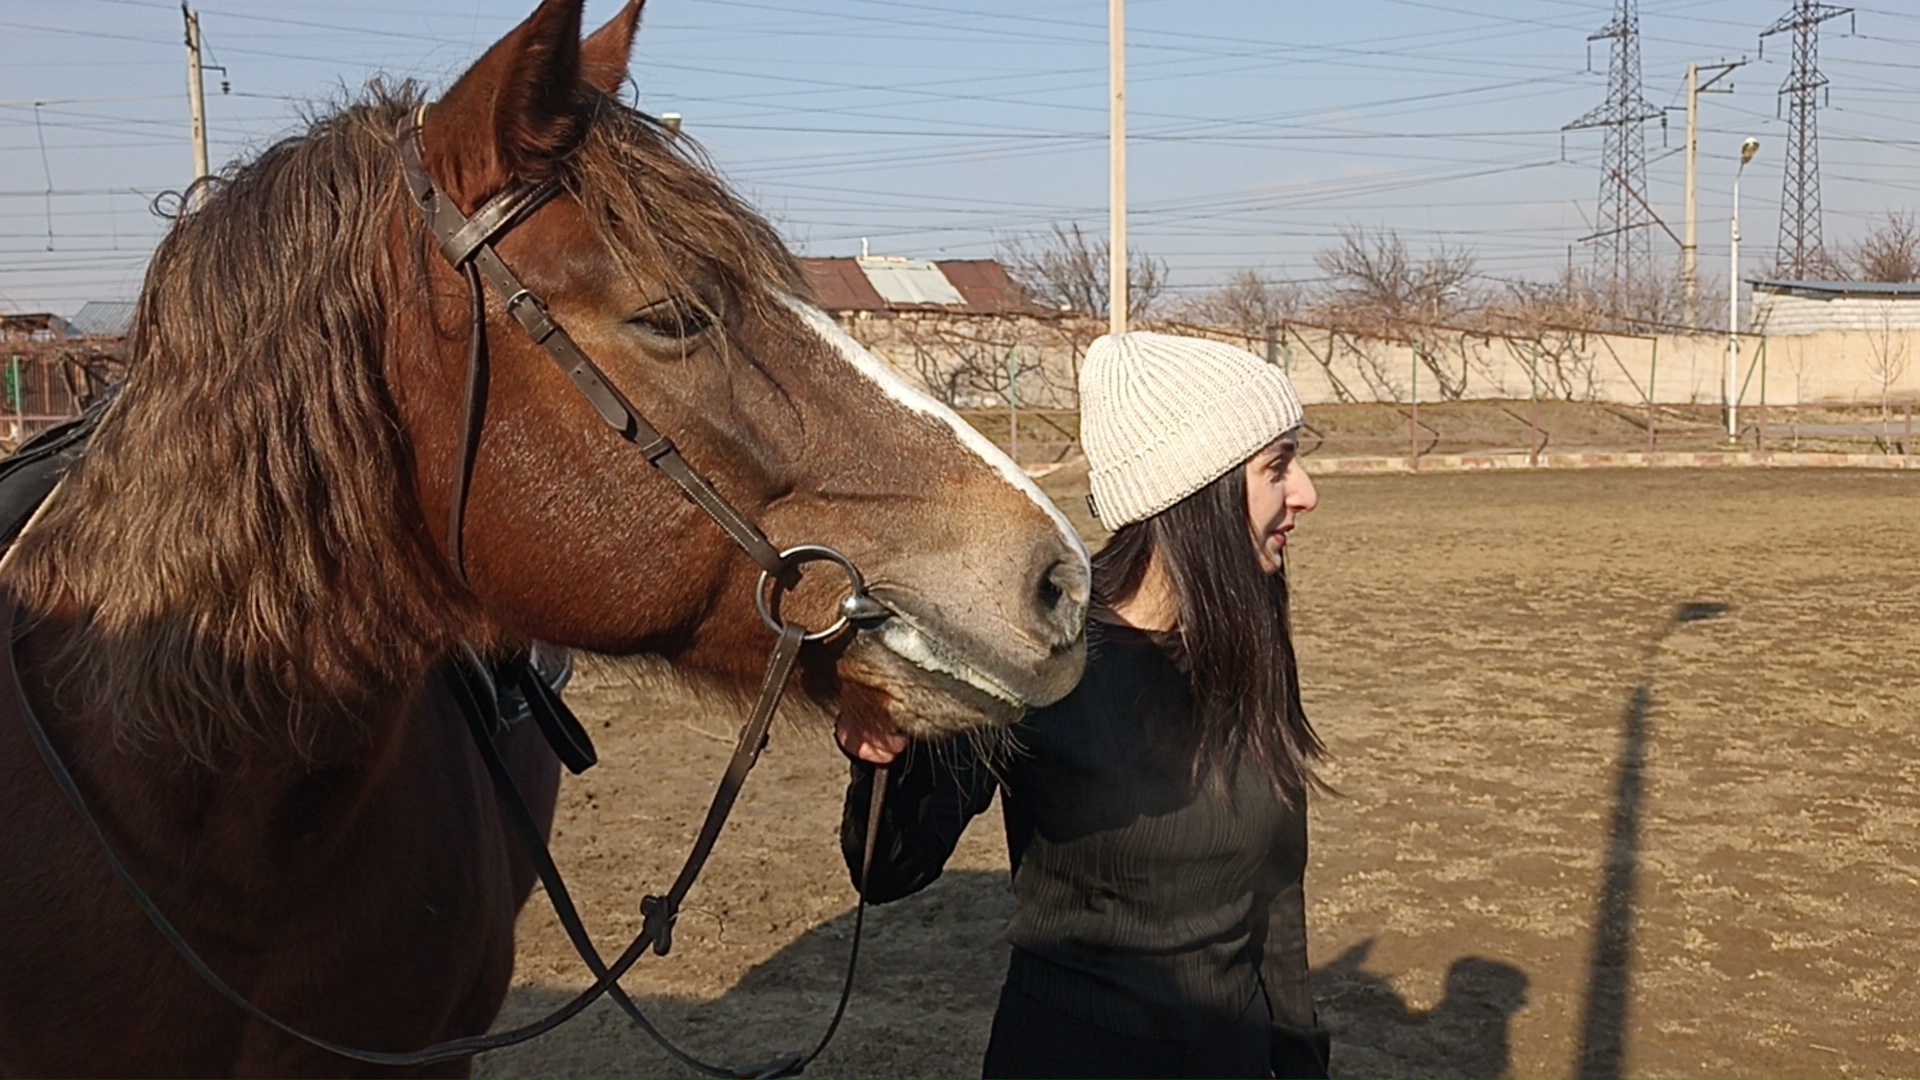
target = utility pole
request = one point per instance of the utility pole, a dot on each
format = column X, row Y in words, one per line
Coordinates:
column 1690, row 247
column 1117, row 168
column 196, row 95
column 1622, row 218
column 1801, row 251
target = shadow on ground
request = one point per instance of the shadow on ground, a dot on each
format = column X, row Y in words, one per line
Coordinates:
column 929, row 979
column 1376, row 1033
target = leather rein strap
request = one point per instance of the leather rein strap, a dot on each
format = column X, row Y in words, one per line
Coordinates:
column 468, row 245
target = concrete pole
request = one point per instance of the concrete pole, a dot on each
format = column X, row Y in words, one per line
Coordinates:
column 1690, row 245
column 196, row 96
column 1117, row 172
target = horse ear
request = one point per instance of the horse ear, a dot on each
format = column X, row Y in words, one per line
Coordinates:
column 605, row 54
column 516, row 113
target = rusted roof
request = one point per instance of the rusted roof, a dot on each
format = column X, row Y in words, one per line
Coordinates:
column 983, row 285
column 838, row 285
column 987, row 286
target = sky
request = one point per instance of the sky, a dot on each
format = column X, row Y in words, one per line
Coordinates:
column 1259, row 129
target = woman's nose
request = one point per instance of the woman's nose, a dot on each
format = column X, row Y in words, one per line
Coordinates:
column 1301, row 496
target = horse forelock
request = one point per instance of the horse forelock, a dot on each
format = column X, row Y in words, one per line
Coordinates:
column 238, row 552
column 665, row 215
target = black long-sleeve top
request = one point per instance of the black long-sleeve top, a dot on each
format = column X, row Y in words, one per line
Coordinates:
column 1149, row 903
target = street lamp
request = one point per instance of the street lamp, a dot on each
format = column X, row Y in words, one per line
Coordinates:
column 1747, row 150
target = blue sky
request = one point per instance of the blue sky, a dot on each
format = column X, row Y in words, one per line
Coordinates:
column 939, row 128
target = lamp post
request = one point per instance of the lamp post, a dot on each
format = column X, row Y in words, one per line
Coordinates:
column 1747, row 150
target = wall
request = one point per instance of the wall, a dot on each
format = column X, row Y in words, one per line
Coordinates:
column 966, row 361
column 1835, row 368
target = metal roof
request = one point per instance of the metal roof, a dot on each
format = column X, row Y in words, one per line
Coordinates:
column 103, row 318
column 909, row 281
column 1834, row 290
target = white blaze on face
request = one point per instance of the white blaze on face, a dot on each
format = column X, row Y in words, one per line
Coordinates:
column 899, row 390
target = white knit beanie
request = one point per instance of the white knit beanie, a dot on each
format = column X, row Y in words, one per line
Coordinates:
column 1162, row 416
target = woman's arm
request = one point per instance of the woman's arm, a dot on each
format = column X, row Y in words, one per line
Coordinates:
column 1300, row 1046
column 934, row 790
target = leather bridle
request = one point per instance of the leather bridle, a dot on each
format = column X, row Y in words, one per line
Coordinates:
column 467, row 243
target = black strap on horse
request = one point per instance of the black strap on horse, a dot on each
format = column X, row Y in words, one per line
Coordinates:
column 468, row 245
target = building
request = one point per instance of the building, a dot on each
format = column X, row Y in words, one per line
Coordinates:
column 35, row 326
column 1810, row 307
column 51, row 368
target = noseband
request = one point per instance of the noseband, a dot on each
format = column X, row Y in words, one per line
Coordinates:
column 467, row 243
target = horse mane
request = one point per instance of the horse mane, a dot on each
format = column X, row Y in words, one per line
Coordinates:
column 240, row 555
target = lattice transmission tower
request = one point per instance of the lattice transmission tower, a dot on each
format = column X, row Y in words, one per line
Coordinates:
column 1801, row 253
column 1622, row 239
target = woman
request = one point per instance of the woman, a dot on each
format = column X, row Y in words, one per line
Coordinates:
column 1156, row 817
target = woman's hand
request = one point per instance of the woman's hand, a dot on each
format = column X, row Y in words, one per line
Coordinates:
column 874, row 742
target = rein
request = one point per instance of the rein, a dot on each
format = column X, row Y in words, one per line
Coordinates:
column 467, row 244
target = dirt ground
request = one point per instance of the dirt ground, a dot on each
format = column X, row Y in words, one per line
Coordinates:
column 1630, row 785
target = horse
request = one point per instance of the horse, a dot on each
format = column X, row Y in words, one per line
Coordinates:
column 233, row 615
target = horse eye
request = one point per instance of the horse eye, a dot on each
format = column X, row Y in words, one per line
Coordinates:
column 673, row 318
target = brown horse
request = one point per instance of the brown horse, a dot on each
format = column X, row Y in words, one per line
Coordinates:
column 231, row 610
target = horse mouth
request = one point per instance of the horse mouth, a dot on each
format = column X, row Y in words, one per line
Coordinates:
column 901, row 637
column 936, row 684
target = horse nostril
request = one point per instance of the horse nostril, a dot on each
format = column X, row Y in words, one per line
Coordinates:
column 1063, row 593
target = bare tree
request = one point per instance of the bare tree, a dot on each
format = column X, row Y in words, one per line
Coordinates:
column 1375, row 278
column 1248, row 304
column 1067, row 270
column 1891, row 252
column 1581, row 300
column 1378, row 287
column 1887, row 358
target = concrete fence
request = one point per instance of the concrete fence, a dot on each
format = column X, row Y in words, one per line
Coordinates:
column 987, row 362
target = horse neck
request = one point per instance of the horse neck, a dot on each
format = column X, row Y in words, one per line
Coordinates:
column 256, row 819
column 253, row 582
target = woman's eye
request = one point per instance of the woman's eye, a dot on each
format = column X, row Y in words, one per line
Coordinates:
column 675, row 319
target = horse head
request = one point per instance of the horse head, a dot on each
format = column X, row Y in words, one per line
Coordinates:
column 689, row 304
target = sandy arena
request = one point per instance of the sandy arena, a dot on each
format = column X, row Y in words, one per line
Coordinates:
column 1630, row 785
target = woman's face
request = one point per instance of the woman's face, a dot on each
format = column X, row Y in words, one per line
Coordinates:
column 1278, row 492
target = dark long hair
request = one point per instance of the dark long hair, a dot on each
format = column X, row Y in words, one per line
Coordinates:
column 1234, row 627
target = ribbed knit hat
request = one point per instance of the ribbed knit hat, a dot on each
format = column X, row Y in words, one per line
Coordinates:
column 1162, row 416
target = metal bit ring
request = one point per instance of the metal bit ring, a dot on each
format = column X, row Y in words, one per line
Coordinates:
column 856, row 605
